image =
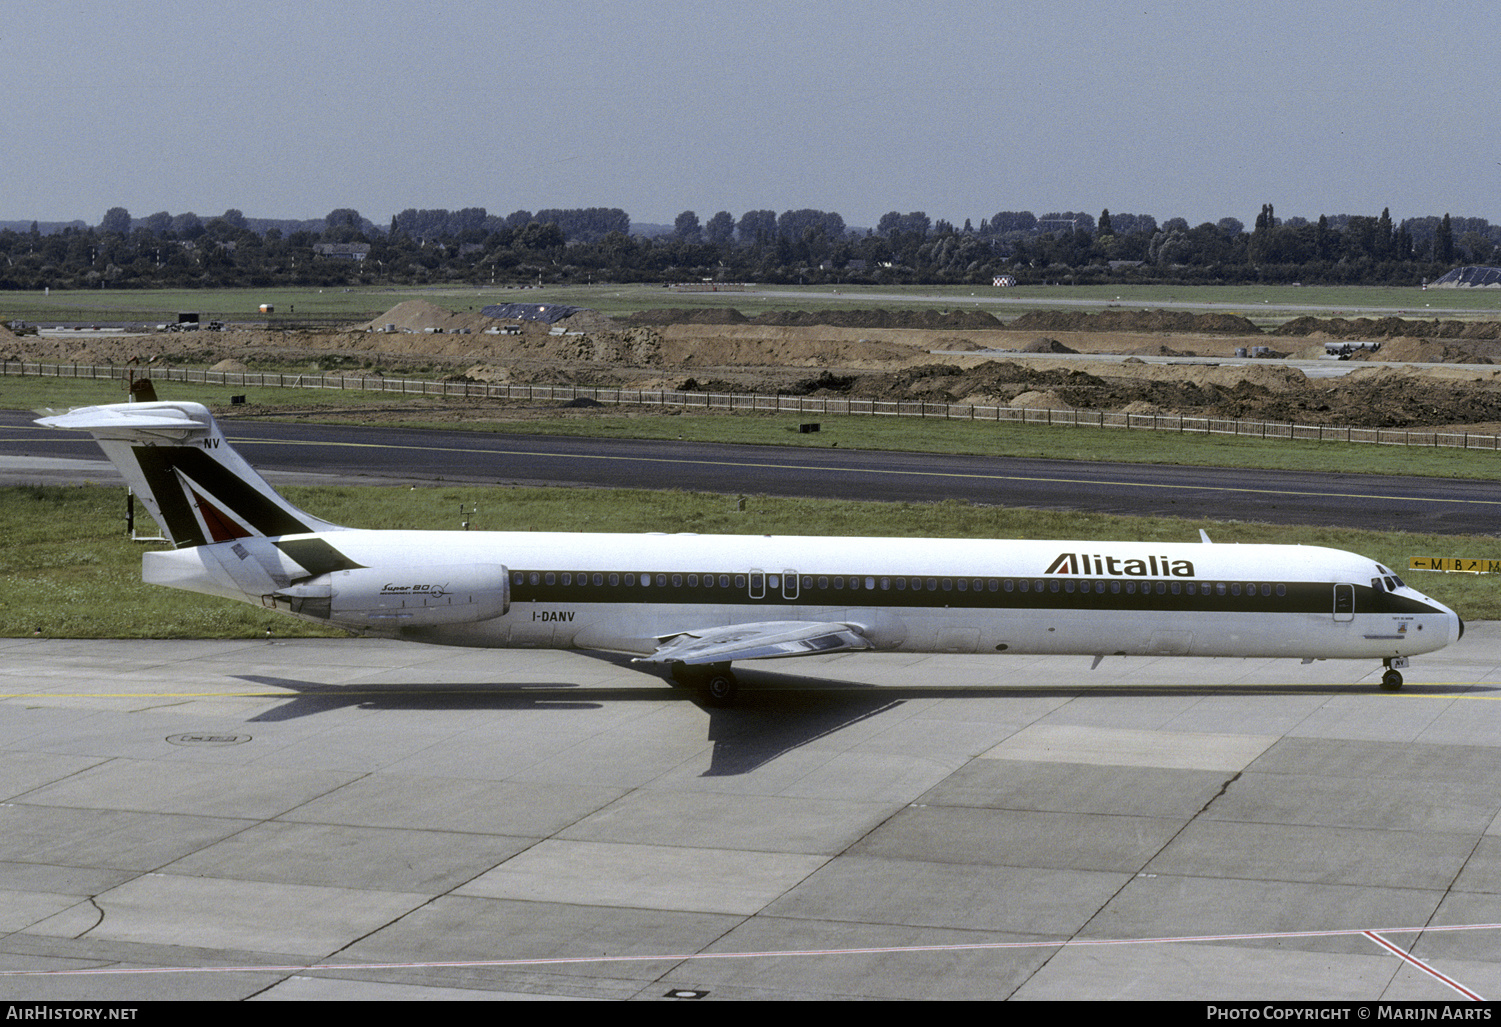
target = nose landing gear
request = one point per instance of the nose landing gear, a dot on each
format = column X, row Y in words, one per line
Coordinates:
column 1392, row 679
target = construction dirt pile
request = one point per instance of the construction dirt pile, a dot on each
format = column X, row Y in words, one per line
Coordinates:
column 1369, row 397
column 1388, row 328
column 1135, row 321
column 1056, row 360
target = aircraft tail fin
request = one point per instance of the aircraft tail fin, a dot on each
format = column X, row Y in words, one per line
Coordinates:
column 175, row 459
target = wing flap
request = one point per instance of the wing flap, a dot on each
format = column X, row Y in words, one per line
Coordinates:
column 764, row 641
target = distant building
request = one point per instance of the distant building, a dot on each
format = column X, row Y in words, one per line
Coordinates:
column 342, row 250
column 1004, row 281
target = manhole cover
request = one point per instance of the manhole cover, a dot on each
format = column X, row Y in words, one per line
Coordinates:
column 205, row 738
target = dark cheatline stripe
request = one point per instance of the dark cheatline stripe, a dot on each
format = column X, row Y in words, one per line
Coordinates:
column 1300, row 597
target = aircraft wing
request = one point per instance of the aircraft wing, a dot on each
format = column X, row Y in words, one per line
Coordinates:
column 770, row 640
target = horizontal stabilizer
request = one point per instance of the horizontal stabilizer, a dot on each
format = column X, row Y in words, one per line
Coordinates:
column 130, row 421
column 194, row 485
column 771, row 640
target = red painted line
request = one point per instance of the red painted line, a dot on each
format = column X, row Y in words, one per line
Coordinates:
column 1430, row 971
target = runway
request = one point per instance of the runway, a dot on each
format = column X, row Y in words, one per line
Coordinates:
column 365, row 455
column 354, row 819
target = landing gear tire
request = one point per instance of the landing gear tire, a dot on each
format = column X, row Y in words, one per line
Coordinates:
column 719, row 688
column 1391, row 681
column 715, row 684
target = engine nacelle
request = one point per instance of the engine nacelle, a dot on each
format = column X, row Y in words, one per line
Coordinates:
column 369, row 597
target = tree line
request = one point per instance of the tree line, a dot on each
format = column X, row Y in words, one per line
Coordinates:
column 597, row 244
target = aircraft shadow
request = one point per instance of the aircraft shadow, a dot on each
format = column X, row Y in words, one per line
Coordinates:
column 775, row 713
column 760, row 728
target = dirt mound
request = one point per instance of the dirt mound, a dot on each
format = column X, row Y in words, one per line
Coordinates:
column 875, row 355
column 1039, row 401
column 958, row 344
column 486, row 373
column 687, row 316
column 931, row 320
column 634, row 347
column 418, row 316
column 1135, row 321
column 1364, row 328
column 1276, row 377
column 1423, row 351
column 763, row 346
column 1046, row 345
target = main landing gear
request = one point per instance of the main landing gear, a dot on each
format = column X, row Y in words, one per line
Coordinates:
column 1392, row 679
column 714, row 682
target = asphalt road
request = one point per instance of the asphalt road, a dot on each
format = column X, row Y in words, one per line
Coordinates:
column 391, row 455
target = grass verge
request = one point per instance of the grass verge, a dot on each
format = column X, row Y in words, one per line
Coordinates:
column 1259, row 302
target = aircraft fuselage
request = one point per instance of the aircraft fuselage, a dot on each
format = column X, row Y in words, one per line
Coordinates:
column 629, row 592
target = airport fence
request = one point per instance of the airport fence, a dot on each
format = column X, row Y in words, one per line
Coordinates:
column 763, row 403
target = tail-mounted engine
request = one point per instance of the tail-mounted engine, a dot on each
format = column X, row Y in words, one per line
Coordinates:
column 425, row 597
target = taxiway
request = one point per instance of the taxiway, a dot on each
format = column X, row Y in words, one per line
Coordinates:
column 357, row 819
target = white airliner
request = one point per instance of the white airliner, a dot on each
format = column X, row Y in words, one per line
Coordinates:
column 696, row 603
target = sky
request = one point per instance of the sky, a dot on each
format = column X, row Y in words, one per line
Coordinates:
column 956, row 108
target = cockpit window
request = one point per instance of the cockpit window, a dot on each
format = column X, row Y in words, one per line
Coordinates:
column 1397, row 582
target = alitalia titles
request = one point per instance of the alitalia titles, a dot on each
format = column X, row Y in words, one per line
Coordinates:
column 1115, row 566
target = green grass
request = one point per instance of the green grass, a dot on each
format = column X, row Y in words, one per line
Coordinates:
column 980, row 438
column 1261, row 302
column 163, row 304
column 67, row 569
